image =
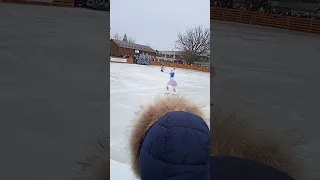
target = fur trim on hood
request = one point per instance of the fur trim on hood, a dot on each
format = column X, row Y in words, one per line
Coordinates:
column 152, row 113
column 233, row 134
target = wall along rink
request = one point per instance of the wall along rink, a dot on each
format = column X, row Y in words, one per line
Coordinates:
column 132, row 86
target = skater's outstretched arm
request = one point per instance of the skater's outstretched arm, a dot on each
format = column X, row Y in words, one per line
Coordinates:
column 166, row 71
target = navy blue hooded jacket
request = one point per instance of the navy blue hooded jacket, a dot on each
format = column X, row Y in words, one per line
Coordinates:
column 176, row 147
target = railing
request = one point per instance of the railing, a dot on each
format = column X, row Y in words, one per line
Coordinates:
column 265, row 19
column 102, row 5
column 59, row 3
column 169, row 64
column 63, row 3
column 183, row 66
column 128, row 60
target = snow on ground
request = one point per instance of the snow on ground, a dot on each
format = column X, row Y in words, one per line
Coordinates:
column 134, row 85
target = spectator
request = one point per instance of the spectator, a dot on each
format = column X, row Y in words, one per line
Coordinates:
column 170, row 140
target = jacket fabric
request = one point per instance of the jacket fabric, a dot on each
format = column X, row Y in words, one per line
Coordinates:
column 176, row 148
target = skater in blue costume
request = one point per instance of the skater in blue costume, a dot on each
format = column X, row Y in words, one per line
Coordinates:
column 171, row 82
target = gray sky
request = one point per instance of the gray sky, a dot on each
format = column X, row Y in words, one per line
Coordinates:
column 157, row 22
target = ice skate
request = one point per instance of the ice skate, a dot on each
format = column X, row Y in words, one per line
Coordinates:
column 175, row 92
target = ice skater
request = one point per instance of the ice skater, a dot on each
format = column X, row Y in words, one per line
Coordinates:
column 171, row 82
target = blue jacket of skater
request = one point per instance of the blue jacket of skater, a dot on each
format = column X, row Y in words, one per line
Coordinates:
column 170, row 140
column 172, row 74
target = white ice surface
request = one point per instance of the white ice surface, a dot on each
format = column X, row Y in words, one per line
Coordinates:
column 120, row 171
column 135, row 85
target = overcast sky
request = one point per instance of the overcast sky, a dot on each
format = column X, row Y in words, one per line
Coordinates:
column 157, row 22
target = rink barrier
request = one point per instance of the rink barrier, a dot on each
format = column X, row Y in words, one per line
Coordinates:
column 121, row 60
column 56, row 3
column 168, row 64
column 265, row 19
column 183, row 66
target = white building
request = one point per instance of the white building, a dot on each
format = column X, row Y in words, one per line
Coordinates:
column 175, row 55
column 169, row 55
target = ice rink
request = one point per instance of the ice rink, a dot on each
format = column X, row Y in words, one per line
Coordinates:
column 134, row 85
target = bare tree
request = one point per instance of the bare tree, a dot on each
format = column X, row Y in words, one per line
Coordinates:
column 117, row 36
column 125, row 38
column 130, row 40
column 194, row 43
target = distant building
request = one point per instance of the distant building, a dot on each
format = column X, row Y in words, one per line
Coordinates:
column 123, row 48
column 202, row 63
column 206, row 56
column 176, row 56
column 169, row 55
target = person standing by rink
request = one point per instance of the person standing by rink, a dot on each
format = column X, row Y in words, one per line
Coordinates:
column 169, row 139
column 171, row 82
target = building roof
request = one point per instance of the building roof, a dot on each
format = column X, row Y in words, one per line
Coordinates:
column 129, row 45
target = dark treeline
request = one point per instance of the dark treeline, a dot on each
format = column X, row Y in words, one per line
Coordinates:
column 275, row 7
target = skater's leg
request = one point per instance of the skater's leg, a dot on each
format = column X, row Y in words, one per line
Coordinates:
column 174, row 85
column 168, row 84
column 167, row 92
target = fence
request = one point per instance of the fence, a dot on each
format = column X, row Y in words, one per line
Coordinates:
column 59, row 3
column 102, row 5
column 156, row 63
column 184, row 66
column 121, row 60
column 265, row 19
